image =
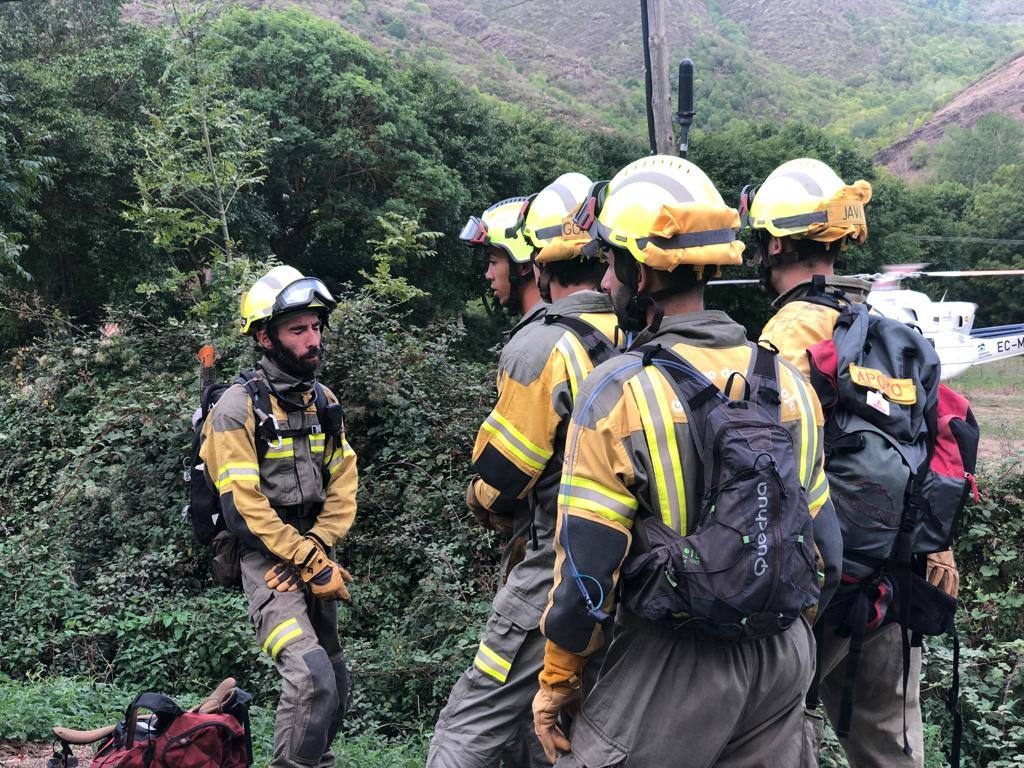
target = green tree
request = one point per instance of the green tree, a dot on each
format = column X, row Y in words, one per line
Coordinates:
column 200, row 150
column 23, row 174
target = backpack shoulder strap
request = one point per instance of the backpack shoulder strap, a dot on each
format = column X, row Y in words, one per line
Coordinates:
column 596, row 344
column 697, row 394
column 824, row 296
column 764, row 375
column 267, row 429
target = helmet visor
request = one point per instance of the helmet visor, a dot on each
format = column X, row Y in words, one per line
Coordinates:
column 474, row 232
column 307, row 292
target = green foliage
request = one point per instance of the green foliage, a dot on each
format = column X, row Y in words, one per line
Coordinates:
column 973, row 155
column 200, row 150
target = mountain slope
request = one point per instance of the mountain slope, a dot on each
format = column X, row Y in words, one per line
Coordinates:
column 870, row 69
column 1001, row 90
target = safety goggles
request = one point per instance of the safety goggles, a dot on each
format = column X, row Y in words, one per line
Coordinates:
column 588, row 212
column 474, row 232
column 303, row 293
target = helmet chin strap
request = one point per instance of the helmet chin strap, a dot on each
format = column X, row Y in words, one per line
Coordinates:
column 633, row 317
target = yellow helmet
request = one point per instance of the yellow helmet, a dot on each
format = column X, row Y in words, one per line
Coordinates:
column 665, row 211
column 282, row 290
column 805, row 199
column 500, row 226
column 548, row 224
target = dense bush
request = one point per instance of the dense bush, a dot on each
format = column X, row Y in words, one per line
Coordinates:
column 108, row 583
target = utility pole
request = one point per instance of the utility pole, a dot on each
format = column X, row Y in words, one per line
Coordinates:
column 660, row 110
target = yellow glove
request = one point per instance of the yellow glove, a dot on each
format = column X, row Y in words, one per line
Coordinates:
column 329, row 584
column 490, row 520
column 942, row 572
column 283, row 578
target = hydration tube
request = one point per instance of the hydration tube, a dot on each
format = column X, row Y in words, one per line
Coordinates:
column 580, row 578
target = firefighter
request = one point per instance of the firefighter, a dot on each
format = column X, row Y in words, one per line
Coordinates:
column 517, row 456
column 666, row 695
column 798, row 239
column 274, row 447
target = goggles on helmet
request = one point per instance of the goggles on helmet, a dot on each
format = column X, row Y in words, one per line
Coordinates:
column 307, row 292
column 474, row 232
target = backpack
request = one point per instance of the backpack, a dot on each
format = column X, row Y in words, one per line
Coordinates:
column 900, row 451
column 748, row 568
column 203, row 508
column 171, row 738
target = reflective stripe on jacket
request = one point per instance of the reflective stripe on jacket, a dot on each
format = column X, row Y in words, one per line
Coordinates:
column 518, row 448
column 629, row 451
column 291, row 474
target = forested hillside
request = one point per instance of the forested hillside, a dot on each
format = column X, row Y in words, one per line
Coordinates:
column 151, row 166
column 870, row 70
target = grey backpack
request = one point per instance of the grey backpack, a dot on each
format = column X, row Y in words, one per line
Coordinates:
column 878, row 383
column 748, row 566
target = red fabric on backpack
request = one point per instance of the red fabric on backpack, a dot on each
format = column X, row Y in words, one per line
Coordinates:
column 946, row 460
column 191, row 740
column 824, row 364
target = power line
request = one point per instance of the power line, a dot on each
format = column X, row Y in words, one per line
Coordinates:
column 947, row 239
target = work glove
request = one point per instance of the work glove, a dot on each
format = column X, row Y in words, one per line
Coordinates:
column 548, row 702
column 283, row 578
column 329, row 584
column 489, row 520
column 325, row 578
column 942, row 572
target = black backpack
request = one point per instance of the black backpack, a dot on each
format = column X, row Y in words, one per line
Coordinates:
column 748, row 568
column 203, row 508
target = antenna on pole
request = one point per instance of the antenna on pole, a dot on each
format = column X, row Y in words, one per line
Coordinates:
column 685, row 114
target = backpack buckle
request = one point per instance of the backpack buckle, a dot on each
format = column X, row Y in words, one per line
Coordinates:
column 278, row 441
column 316, row 429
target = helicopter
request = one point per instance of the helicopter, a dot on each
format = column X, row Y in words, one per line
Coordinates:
column 948, row 325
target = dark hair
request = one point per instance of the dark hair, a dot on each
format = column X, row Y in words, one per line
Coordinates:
column 576, row 271
column 800, row 249
column 682, row 279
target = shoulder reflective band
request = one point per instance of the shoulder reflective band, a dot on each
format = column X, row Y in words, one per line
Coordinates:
column 474, row 232
column 690, row 239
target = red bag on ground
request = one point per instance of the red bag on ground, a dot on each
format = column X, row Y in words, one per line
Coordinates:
column 174, row 739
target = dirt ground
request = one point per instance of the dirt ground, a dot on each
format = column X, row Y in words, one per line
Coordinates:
column 996, row 392
column 18, row 755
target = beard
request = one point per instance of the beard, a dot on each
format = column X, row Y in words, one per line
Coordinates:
column 302, row 367
column 630, row 310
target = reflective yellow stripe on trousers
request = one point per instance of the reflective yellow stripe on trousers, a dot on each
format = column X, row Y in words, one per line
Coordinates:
column 490, row 663
column 281, row 635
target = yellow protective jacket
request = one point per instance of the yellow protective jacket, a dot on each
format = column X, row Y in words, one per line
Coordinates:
column 311, row 477
column 629, row 451
column 799, row 324
column 518, row 449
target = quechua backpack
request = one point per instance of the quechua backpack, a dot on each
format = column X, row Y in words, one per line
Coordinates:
column 899, row 453
column 748, row 567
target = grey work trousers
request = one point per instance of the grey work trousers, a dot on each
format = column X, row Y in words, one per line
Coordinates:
column 300, row 633
column 686, row 700
column 876, row 729
column 489, row 717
